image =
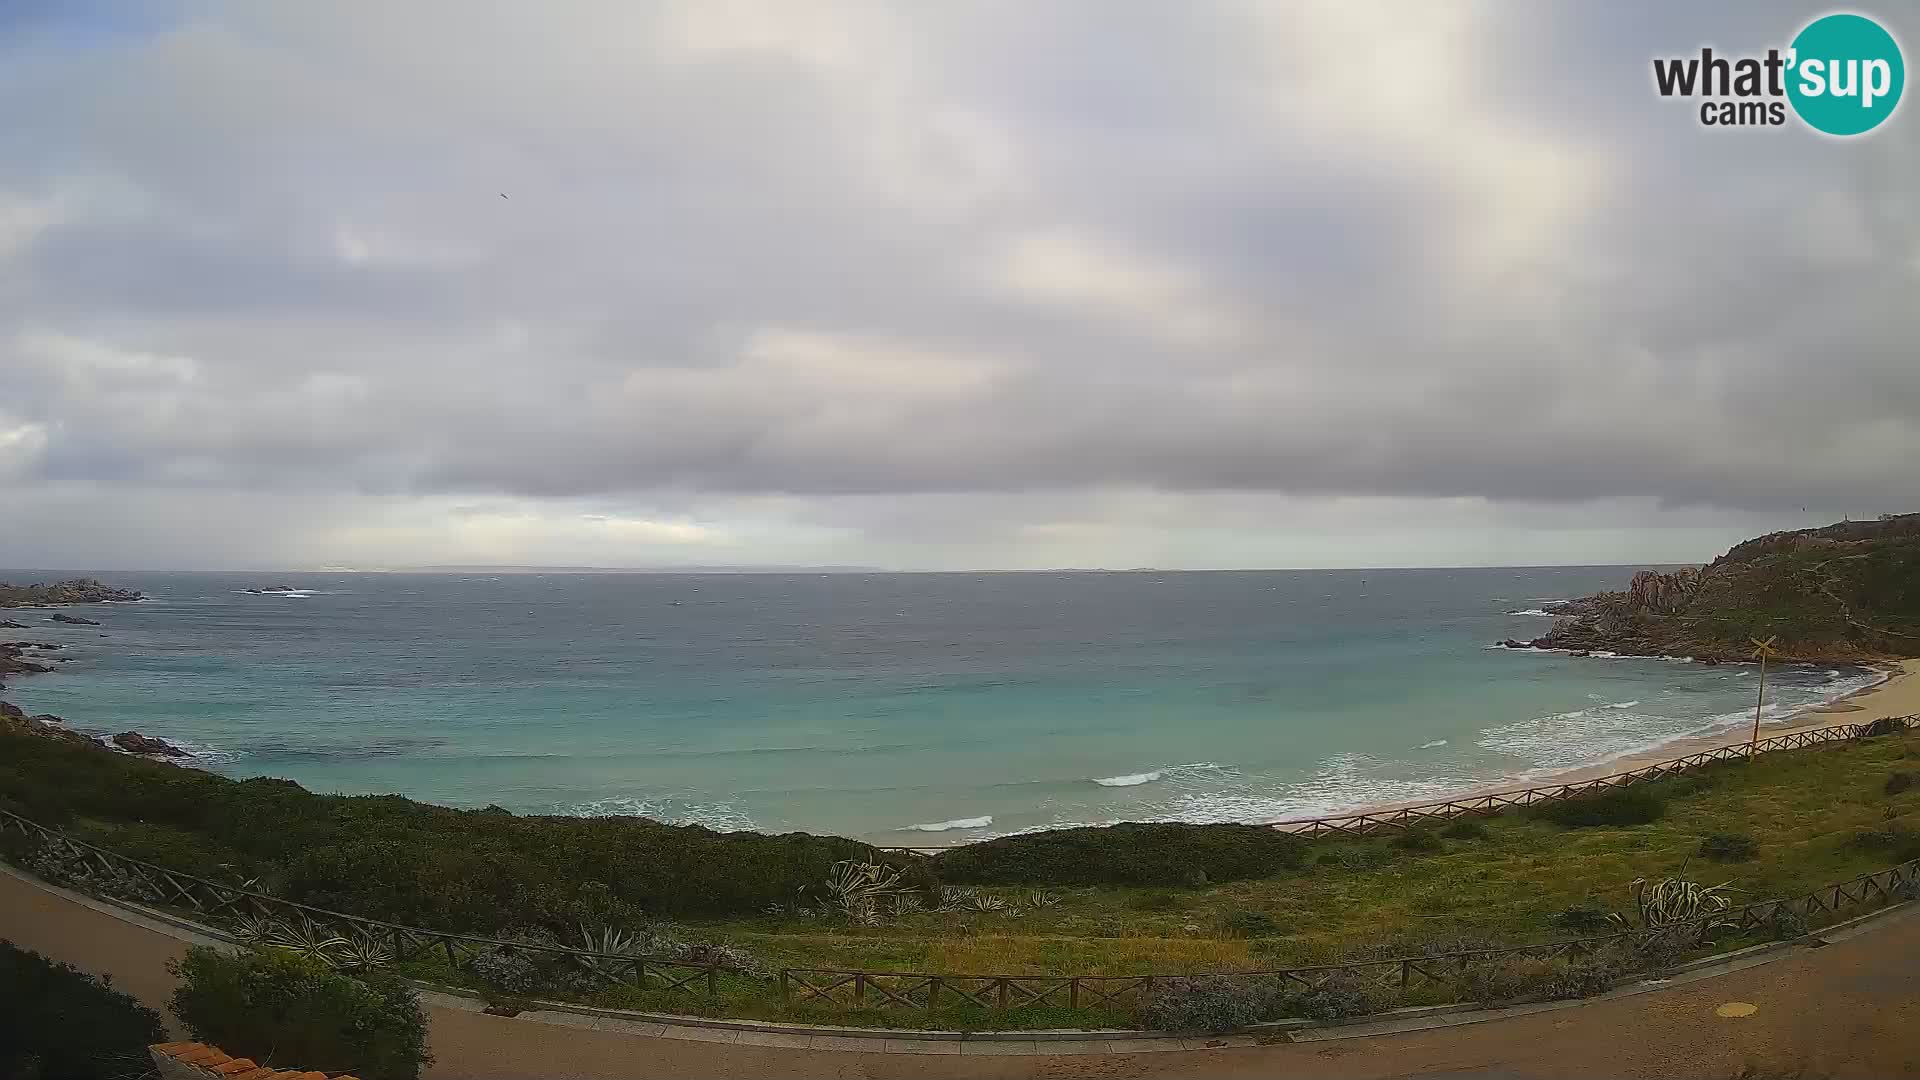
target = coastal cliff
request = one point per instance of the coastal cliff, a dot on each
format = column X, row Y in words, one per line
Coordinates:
column 1846, row 592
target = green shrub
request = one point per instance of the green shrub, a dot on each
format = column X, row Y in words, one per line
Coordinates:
column 1503, row 980
column 1157, row 900
column 1419, row 840
column 18, row 848
column 57, row 1023
column 1466, row 828
column 1785, row 924
column 1618, row 806
column 1250, row 924
column 1580, row 978
column 1582, row 919
column 1211, row 1003
column 1127, row 854
column 1729, row 847
column 294, row 1012
column 1521, row 978
column 1899, row 843
column 1899, row 782
column 389, row 858
column 1342, row 997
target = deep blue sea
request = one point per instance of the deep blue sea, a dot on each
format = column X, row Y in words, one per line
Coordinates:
column 916, row 709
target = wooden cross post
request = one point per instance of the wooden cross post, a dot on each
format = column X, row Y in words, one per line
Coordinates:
column 1761, row 649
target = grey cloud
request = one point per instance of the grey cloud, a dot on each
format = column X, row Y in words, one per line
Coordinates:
column 1525, row 279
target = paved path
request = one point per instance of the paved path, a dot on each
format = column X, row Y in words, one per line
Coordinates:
column 1851, row 1009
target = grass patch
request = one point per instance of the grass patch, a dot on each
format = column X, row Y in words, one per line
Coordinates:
column 1729, row 847
column 1636, row 805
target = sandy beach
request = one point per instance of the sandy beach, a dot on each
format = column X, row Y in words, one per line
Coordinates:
column 1896, row 695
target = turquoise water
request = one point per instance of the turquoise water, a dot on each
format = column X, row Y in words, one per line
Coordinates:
column 903, row 708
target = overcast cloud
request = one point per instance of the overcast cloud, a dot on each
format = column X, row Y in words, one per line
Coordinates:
column 977, row 284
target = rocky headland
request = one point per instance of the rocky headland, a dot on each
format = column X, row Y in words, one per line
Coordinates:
column 1846, row 593
column 75, row 591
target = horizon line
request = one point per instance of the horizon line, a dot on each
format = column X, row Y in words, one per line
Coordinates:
column 851, row 571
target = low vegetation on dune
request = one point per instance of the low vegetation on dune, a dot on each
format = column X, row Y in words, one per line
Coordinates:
column 1121, row 900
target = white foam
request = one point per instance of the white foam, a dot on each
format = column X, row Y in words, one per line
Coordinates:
column 722, row 817
column 1130, row 779
column 1621, row 704
column 208, row 755
column 1534, row 611
column 980, row 822
column 1431, row 745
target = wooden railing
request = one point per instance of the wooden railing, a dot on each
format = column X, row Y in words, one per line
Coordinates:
column 241, row 910
column 925, row 991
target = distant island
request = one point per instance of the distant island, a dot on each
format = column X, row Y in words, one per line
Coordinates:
column 1848, row 592
column 75, row 591
column 490, row 568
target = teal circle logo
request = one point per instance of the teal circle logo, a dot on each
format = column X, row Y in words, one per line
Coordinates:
column 1846, row 74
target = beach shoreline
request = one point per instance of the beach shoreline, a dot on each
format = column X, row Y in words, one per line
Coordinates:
column 1896, row 694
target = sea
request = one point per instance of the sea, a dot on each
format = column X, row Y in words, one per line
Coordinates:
column 903, row 709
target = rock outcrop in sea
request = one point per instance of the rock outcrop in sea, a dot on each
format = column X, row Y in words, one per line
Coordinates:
column 12, row 662
column 15, row 721
column 135, row 743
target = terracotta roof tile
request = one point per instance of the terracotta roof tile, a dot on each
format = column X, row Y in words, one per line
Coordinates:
column 237, row 1065
column 205, row 1055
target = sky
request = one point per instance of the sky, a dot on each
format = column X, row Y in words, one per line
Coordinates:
column 979, row 284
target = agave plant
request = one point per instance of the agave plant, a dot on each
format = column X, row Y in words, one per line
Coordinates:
column 988, row 902
column 954, row 898
column 609, row 942
column 857, row 889
column 1041, row 898
column 906, row 903
column 303, row 937
column 253, row 929
column 1673, row 908
column 359, row 951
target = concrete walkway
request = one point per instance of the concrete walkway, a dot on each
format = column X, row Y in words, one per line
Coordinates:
column 1850, row 1009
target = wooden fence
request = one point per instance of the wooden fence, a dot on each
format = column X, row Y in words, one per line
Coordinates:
column 350, row 940
column 921, row 990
